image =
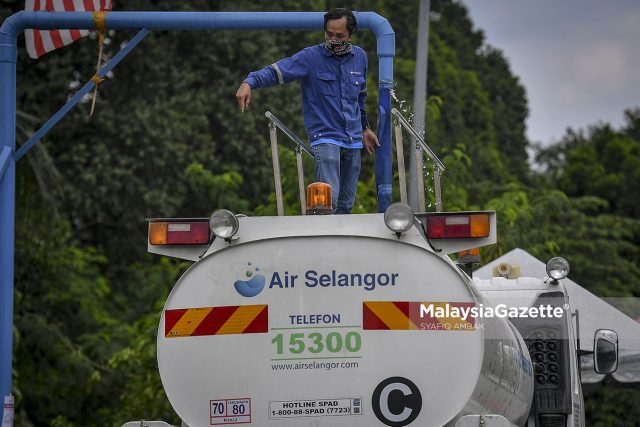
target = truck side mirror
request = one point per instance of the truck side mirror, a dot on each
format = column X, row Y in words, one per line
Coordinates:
column 605, row 348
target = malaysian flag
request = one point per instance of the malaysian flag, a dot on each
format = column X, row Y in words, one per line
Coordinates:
column 40, row 42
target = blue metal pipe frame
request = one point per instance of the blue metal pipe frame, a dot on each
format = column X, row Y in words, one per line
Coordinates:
column 16, row 23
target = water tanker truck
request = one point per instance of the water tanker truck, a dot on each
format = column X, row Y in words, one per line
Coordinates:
column 363, row 320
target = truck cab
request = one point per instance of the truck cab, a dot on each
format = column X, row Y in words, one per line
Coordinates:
column 549, row 333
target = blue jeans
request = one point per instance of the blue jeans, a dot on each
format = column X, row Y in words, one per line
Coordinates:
column 340, row 168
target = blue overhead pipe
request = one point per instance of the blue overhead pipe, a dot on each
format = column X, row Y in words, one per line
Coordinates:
column 16, row 23
column 244, row 21
column 371, row 21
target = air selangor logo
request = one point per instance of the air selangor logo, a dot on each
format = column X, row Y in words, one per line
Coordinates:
column 332, row 279
column 251, row 287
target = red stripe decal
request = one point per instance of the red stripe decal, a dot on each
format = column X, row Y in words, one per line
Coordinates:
column 260, row 323
column 370, row 320
column 171, row 317
column 214, row 321
column 382, row 315
column 403, row 306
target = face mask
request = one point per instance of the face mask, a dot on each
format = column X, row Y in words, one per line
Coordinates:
column 338, row 47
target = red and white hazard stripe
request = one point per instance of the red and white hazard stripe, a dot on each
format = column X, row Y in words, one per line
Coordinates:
column 39, row 42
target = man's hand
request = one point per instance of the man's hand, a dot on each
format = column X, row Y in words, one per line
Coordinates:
column 370, row 141
column 243, row 95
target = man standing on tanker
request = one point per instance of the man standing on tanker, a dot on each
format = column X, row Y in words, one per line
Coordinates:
column 333, row 78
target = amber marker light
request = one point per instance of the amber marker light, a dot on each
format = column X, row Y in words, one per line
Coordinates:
column 479, row 225
column 469, row 252
column 318, row 198
column 469, row 256
column 158, row 233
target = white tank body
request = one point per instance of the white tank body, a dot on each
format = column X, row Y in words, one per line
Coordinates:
column 339, row 331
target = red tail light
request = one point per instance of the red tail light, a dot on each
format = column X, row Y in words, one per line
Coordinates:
column 457, row 226
column 179, row 233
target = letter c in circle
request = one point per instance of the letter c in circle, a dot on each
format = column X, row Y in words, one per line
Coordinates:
column 396, row 401
column 384, row 402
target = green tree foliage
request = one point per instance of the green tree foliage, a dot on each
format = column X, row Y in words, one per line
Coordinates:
column 167, row 140
column 597, row 170
column 601, row 162
column 547, row 223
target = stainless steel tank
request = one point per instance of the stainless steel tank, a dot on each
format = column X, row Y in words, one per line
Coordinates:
column 339, row 331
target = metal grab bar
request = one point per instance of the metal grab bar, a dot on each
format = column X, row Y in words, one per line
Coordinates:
column 421, row 146
column 274, row 123
column 292, row 136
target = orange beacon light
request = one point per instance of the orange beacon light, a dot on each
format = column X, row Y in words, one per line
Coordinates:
column 319, row 199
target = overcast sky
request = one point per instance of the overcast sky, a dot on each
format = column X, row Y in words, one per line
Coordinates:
column 579, row 60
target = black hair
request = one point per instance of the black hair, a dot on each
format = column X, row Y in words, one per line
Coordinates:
column 340, row 12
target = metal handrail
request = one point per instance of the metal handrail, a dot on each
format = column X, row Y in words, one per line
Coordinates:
column 292, row 136
column 274, row 123
column 421, row 147
column 401, row 122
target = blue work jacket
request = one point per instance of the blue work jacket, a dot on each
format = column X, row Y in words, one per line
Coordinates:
column 334, row 91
